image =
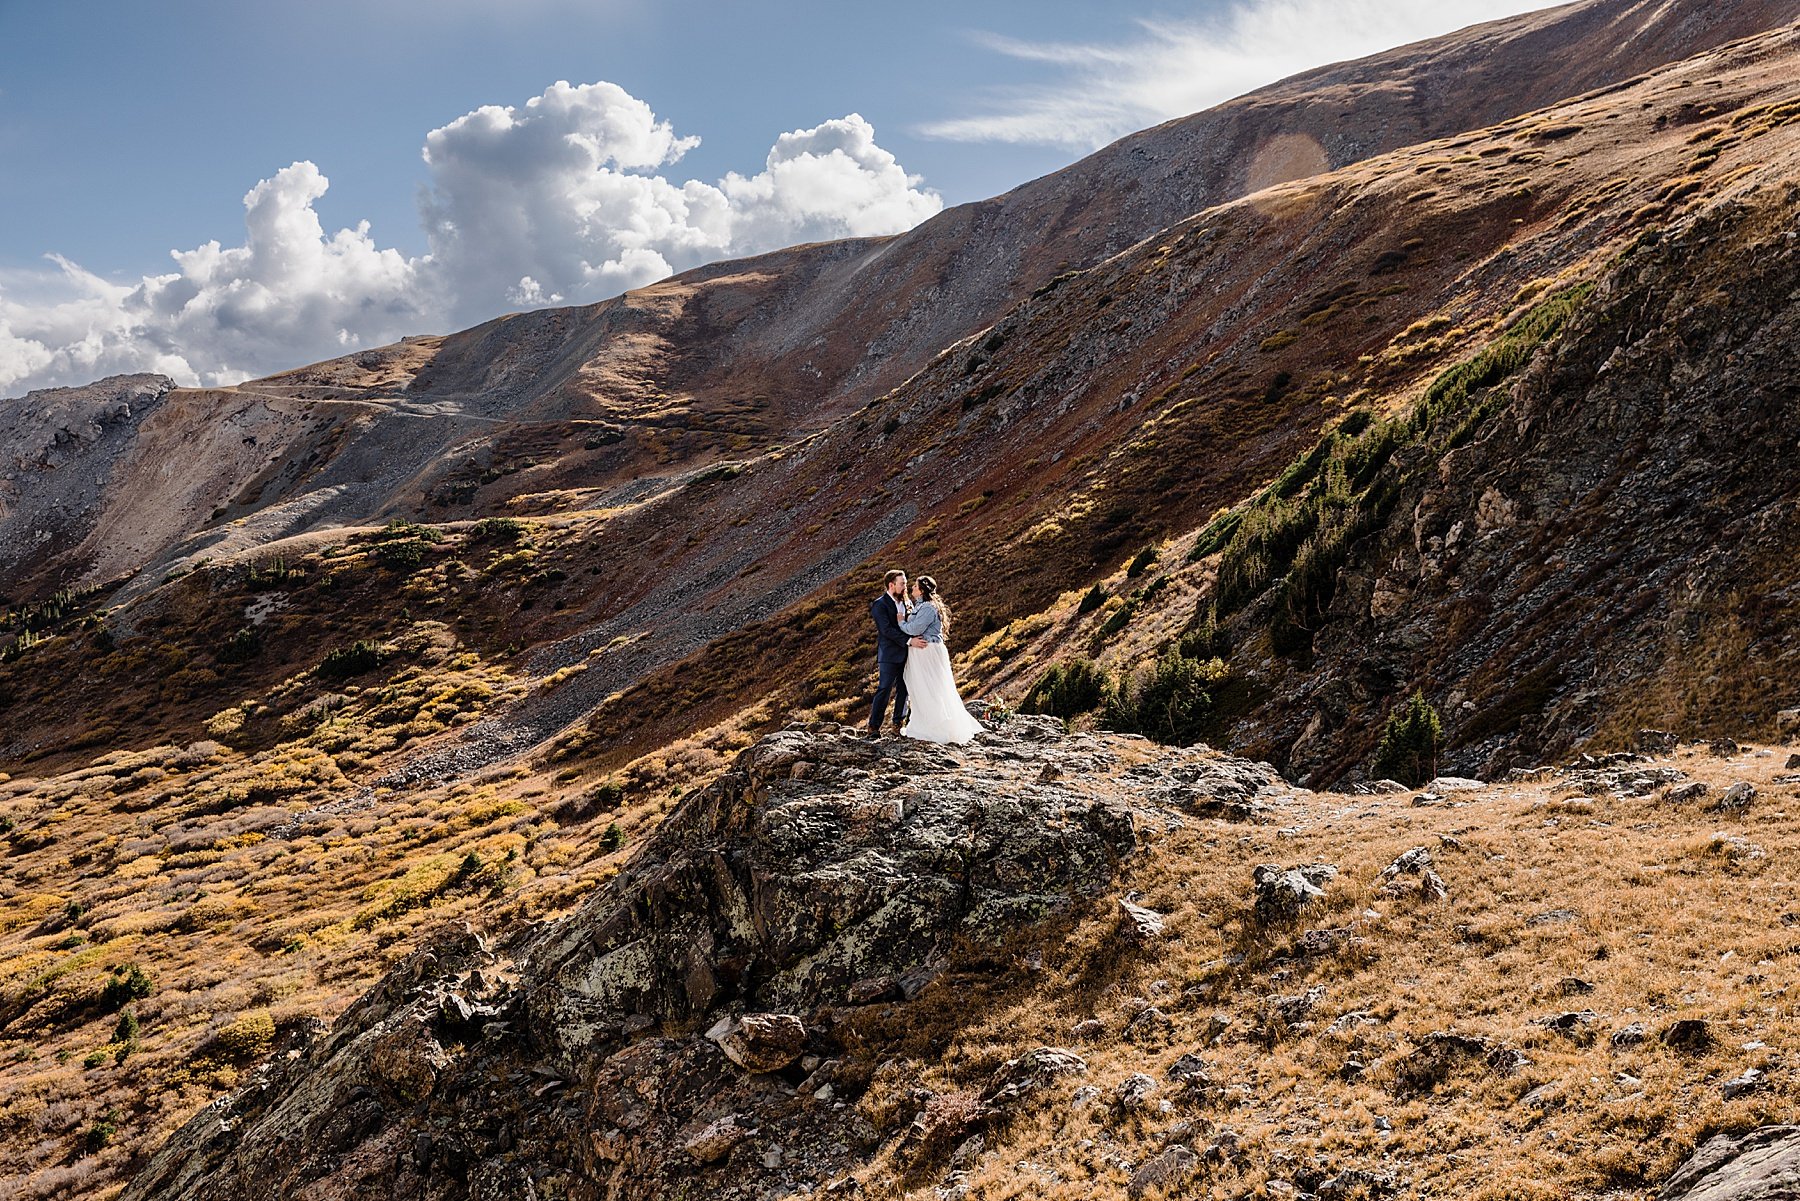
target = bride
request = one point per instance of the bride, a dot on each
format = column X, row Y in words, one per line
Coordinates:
column 937, row 711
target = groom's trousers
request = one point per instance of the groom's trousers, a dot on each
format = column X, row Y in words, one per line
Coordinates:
column 892, row 684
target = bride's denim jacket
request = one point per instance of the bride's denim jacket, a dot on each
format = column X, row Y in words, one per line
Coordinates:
column 924, row 623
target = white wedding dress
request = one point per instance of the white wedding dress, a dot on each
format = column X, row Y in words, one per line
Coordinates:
column 937, row 709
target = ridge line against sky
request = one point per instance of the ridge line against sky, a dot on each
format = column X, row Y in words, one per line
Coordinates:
column 566, row 196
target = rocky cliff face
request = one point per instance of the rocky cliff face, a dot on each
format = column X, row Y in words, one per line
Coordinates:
column 61, row 448
column 694, row 1023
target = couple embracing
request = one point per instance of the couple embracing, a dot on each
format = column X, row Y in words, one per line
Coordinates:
column 910, row 624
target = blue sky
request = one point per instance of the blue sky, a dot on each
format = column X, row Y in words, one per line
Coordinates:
column 130, row 129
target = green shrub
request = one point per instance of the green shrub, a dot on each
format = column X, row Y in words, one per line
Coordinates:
column 1299, row 531
column 1119, row 619
column 1068, row 689
column 1140, row 563
column 498, row 529
column 125, row 1030
column 241, row 647
column 1410, row 742
column 612, row 838
column 101, row 1132
column 402, row 554
column 1092, row 599
column 400, row 528
column 126, row 985
column 346, row 661
column 1170, row 701
column 271, row 574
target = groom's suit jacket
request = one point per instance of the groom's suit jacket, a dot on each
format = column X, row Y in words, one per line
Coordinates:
column 890, row 639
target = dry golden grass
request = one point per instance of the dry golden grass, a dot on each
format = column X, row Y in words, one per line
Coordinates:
column 260, row 888
column 1667, row 911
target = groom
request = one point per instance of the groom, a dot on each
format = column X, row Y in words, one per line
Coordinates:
column 890, row 652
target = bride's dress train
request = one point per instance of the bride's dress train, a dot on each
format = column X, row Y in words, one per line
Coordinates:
column 937, row 710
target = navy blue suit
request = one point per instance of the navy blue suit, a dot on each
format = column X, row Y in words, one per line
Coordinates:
column 890, row 656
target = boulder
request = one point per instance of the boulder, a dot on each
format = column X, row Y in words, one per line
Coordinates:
column 1747, row 1081
column 1165, row 1170
column 1416, row 862
column 760, row 1042
column 762, row 905
column 1281, row 893
column 1138, row 923
column 1031, row 1072
column 1688, row 1034
column 1133, row 1092
column 1761, row 1165
column 714, row 1142
column 1737, row 797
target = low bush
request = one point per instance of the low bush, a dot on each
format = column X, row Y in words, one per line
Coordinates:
column 241, row 647
column 1092, row 599
column 1170, row 701
column 345, row 661
column 497, row 529
column 127, row 984
column 1410, row 741
column 1067, row 689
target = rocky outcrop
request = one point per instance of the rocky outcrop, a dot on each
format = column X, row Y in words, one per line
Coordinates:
column 58, row 446
column 685, row 1024
column 1762, row 1165
column 1533, row 636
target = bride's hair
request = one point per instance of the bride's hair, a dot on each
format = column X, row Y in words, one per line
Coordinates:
column 929, row 590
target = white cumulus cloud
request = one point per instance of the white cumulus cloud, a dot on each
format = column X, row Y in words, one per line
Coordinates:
column 563, row 199
column 1105, row 90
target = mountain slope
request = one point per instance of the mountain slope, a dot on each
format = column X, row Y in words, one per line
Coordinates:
column 743, row 355
column 1492, row 416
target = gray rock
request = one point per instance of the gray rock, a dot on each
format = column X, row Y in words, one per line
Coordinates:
column 1630, row 1036
column 1030, row 1072
column 1416, row 862
column 1747, row 1081
column 1134, row 1092
column 1762, row 1165
column 1793, row 761
column 771, row 892
column 1655, row 742
column 1138, row 923
column 1689, row 1034
column 1165, row 1171
column 1281, row 893
column 1543, row 1097
column 1454, row 784
column 1576, row 1024
column 1682, row 794
column 760, row 1042
column 1189, row 1071
column 1787, row 722
column 1150, row 1026
column 1737, row 797
column 715, row 1141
